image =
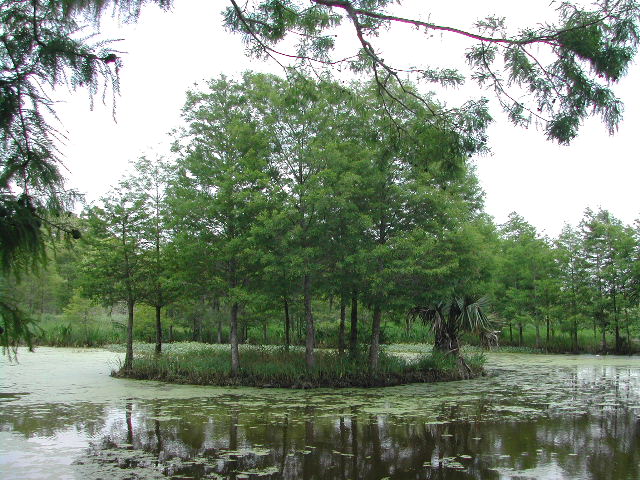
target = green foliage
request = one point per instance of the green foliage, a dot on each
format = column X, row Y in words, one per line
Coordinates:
column 584, row 279
column 79, row 310
column 112, row 265
column 450, row 318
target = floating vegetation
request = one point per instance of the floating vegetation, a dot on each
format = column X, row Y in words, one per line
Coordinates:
column 525, row 419
column 260, row 472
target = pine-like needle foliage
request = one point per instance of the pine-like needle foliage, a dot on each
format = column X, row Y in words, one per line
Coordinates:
column 41, row 48
column 555, row 74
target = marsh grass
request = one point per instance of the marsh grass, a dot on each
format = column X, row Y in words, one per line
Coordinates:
column 54, row 331
column 561, row 342
column 275, row 367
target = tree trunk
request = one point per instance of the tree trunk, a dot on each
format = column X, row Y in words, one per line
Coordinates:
column 311, row 332
column 128, row 358
column 233, row 340
column 219, row 329
column 548, row 330
column 158, row 331
column 343, row 315
column 374, row 349
column 538, row 335
column 265, row 333
column 604, row 339
column 353, row 339
column 287, row 323
column 511, row 332
column 626, row 327
column 616, row 323
column 197, row 328
column 170, row 333
column 520, row 332
column 575, row 334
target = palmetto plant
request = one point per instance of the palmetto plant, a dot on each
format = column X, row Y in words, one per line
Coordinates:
column 450, row 318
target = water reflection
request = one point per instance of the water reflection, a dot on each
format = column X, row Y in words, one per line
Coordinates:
column 546, row 421
column 353, row 445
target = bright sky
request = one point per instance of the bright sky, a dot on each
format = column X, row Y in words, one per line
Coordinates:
column 166, row 53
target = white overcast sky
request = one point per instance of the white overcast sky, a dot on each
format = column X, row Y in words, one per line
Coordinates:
column 166, row 53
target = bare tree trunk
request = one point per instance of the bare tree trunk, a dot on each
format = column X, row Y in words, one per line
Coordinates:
column 219, row 329
column 128, row 358
column 235, row 357
column 158, row 331
column 197, row 328
column 311, row 332
column 626, row 326
column 617, row 324
column 353, row 339
column 287, row 324
column 520, row 327
column 374, row 349
column 343, row 314
column 548, row 329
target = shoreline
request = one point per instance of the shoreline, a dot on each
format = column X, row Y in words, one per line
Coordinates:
column 362, row 381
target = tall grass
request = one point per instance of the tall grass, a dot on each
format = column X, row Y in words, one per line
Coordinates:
column 561, row 342
column 54, row 330
column 277, row 367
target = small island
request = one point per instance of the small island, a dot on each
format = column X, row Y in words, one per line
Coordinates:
column 273, row 366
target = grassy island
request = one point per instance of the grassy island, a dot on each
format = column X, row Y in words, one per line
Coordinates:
column 268, row 366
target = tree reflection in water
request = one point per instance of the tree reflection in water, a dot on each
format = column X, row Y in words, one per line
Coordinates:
column 545, row 422
column 355, row 445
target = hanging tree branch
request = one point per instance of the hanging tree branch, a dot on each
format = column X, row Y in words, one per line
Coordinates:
column 589, row 50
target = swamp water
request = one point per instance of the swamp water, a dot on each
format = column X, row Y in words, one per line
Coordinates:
column 534, row 417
